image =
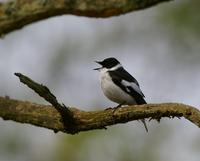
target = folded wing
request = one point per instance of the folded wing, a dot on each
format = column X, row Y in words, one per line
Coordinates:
column 128, row 84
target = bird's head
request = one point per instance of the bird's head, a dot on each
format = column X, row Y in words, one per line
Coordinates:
column 108, row 63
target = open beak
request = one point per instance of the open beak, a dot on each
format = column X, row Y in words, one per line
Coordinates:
column 98, row 62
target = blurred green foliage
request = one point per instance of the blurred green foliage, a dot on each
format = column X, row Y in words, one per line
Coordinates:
column 161, row 42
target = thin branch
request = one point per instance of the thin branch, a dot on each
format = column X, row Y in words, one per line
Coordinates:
column 48, row 117
column 18, row 13
column 43, row 91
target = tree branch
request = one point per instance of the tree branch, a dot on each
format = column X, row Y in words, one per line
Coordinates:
column 48, row 117
column 57, row 119
column 67, row 115
column 18, row 13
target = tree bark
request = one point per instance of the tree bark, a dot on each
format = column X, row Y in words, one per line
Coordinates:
column 48, row 117
column 18, row 13
column 73, row 120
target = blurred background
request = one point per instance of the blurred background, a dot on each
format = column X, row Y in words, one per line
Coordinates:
column 159, row 46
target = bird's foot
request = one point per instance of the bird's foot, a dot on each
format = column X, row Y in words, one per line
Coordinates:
column 109, row 108
column 115, row 108
column 119, row 105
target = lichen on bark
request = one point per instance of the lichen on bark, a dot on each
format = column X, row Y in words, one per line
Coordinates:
column 18, row 13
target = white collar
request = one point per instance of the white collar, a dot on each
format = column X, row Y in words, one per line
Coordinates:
column 104, row 70
column 115, row 67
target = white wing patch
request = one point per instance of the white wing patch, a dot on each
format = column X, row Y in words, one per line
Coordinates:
column 133, row 85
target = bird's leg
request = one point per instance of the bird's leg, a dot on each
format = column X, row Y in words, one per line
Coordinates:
column 109, row 108
column 119, row 105
column 115, row 108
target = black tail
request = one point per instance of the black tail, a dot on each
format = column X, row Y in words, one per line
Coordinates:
column 145, row 125
column 140, row 101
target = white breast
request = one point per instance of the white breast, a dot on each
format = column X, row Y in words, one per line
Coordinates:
column 112, row 91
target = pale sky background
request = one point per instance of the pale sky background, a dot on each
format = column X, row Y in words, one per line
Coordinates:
column 158, row 46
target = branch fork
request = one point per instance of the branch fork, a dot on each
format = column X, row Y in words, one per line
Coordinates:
column 72, row 120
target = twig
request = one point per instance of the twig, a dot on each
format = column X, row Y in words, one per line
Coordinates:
column 43, row 91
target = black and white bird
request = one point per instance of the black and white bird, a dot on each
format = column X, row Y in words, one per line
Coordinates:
column 118, row 85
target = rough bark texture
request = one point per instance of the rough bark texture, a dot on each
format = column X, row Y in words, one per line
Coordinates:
column 47, row 116
column 18, row 13
column 73, row 120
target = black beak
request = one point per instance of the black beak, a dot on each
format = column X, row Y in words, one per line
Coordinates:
column 96, row 68
column 98, row 62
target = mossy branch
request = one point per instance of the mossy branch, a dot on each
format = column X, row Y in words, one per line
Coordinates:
column 49, row 117
column 67, row 115
column 18, row 13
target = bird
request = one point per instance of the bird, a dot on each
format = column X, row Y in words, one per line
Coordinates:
column 118, row 85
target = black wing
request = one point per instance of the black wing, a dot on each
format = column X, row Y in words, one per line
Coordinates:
column 120, row 75
column 124, row 75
